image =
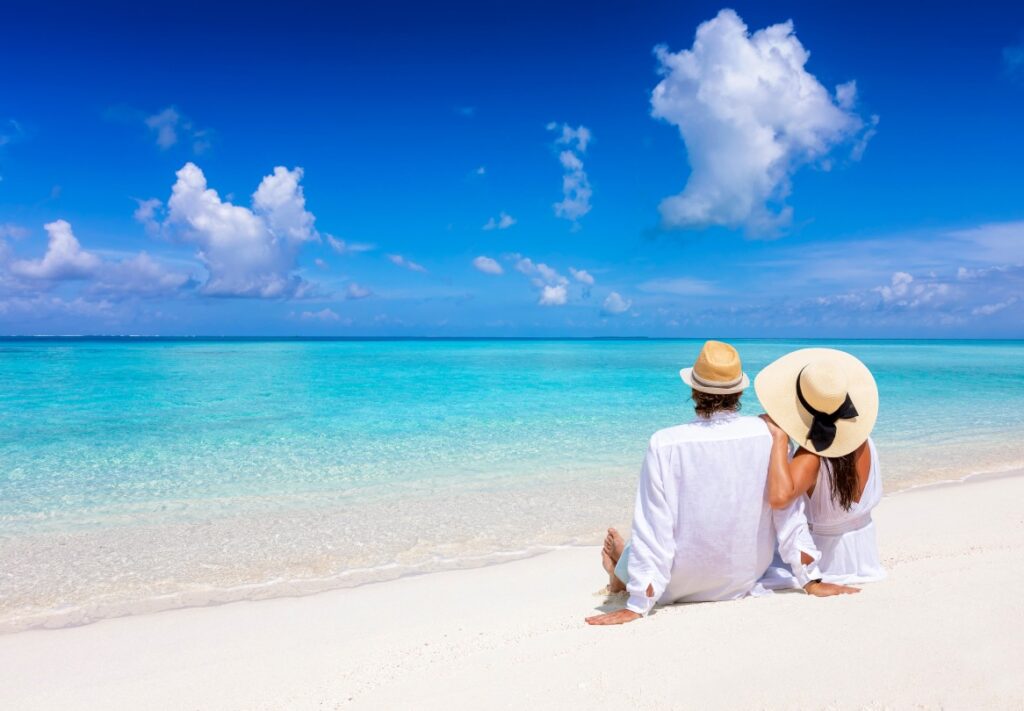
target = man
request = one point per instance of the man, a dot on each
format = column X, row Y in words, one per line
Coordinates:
column 703, row 527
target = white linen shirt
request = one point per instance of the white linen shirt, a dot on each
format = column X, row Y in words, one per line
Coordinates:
column 703, row 529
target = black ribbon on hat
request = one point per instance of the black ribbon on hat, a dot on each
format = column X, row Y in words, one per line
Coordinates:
column 823, row 427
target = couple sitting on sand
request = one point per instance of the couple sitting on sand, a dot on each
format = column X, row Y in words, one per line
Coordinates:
column 723, row 508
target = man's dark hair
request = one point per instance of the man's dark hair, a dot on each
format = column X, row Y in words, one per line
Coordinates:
column 707, row 404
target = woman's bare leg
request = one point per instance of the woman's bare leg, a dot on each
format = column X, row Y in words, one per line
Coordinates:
column 611, row 551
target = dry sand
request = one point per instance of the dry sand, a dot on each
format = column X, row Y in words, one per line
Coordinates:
column 946, row 630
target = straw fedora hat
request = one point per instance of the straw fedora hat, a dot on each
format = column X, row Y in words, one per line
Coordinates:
column 825, row 399
column 718, row 370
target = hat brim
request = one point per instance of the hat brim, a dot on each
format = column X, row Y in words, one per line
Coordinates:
column 687, row 375
column 776, row 389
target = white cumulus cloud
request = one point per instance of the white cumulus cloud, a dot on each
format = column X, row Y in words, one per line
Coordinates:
column 614, row 304
column 64, row 258
column 487, row 265
column 750, row 114
column 247, row 252
column 282, row 204
column 576, row 191
column 553, row 295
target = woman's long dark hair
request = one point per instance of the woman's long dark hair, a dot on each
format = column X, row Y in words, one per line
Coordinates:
column 842, row 472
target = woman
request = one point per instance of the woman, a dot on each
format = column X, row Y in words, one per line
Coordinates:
column 827, row 401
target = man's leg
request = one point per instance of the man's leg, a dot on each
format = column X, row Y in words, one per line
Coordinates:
column 611, row 552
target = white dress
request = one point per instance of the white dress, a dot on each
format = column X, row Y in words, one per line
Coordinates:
column 846, row 539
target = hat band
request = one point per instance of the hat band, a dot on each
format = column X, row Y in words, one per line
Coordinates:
column 823, row 425
column 715, row 384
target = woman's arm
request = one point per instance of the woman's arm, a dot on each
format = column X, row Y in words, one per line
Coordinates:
column 788, row 480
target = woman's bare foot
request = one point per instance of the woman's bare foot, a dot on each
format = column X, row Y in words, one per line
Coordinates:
column 610, row 554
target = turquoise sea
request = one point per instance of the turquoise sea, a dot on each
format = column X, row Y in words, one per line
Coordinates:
column 143, row 474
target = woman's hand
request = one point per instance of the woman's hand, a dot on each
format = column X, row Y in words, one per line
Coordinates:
column 829, row 589
column 619, row 617
column 778, row 434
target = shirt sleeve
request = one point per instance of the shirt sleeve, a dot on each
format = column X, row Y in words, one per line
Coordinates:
column 652, row 546
column 794, row 537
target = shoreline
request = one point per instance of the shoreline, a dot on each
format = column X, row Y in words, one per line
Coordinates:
column 513, row 634
column 83, row 615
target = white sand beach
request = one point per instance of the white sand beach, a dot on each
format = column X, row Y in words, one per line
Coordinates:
column 946, row 630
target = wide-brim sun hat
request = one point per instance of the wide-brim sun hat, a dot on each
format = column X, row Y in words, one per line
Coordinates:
column 825, row 399
column 718, row 370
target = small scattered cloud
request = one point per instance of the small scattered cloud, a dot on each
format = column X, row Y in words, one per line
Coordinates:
column 148, row 213
column 342, row 247
column 487, row 265
column 933, row 298
column 169, row 127
column 503, row 222
column 466, row 111
column 481, row 170
column 615, row 304
column 861, row 144
column 578, row 138
column 354, row 291
column 990, row 309
column 846, row 94
column 899, row 287
column 399, row 261
column 324, row 315
column 582, row 276
column 750, row 115
column 320, row 264
column 680, row 286
column 552, row 285
column 576, row 191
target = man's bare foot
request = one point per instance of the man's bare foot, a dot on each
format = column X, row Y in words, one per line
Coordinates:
column 610, row 554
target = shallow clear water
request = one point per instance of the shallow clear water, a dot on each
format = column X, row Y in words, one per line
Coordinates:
column 141, row 474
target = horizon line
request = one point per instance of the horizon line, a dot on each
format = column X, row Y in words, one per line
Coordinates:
column 208, row 337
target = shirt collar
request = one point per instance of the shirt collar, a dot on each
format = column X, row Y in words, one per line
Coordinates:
column 720, row 416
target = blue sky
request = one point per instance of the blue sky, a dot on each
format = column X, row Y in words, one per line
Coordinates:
column 513, row 169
